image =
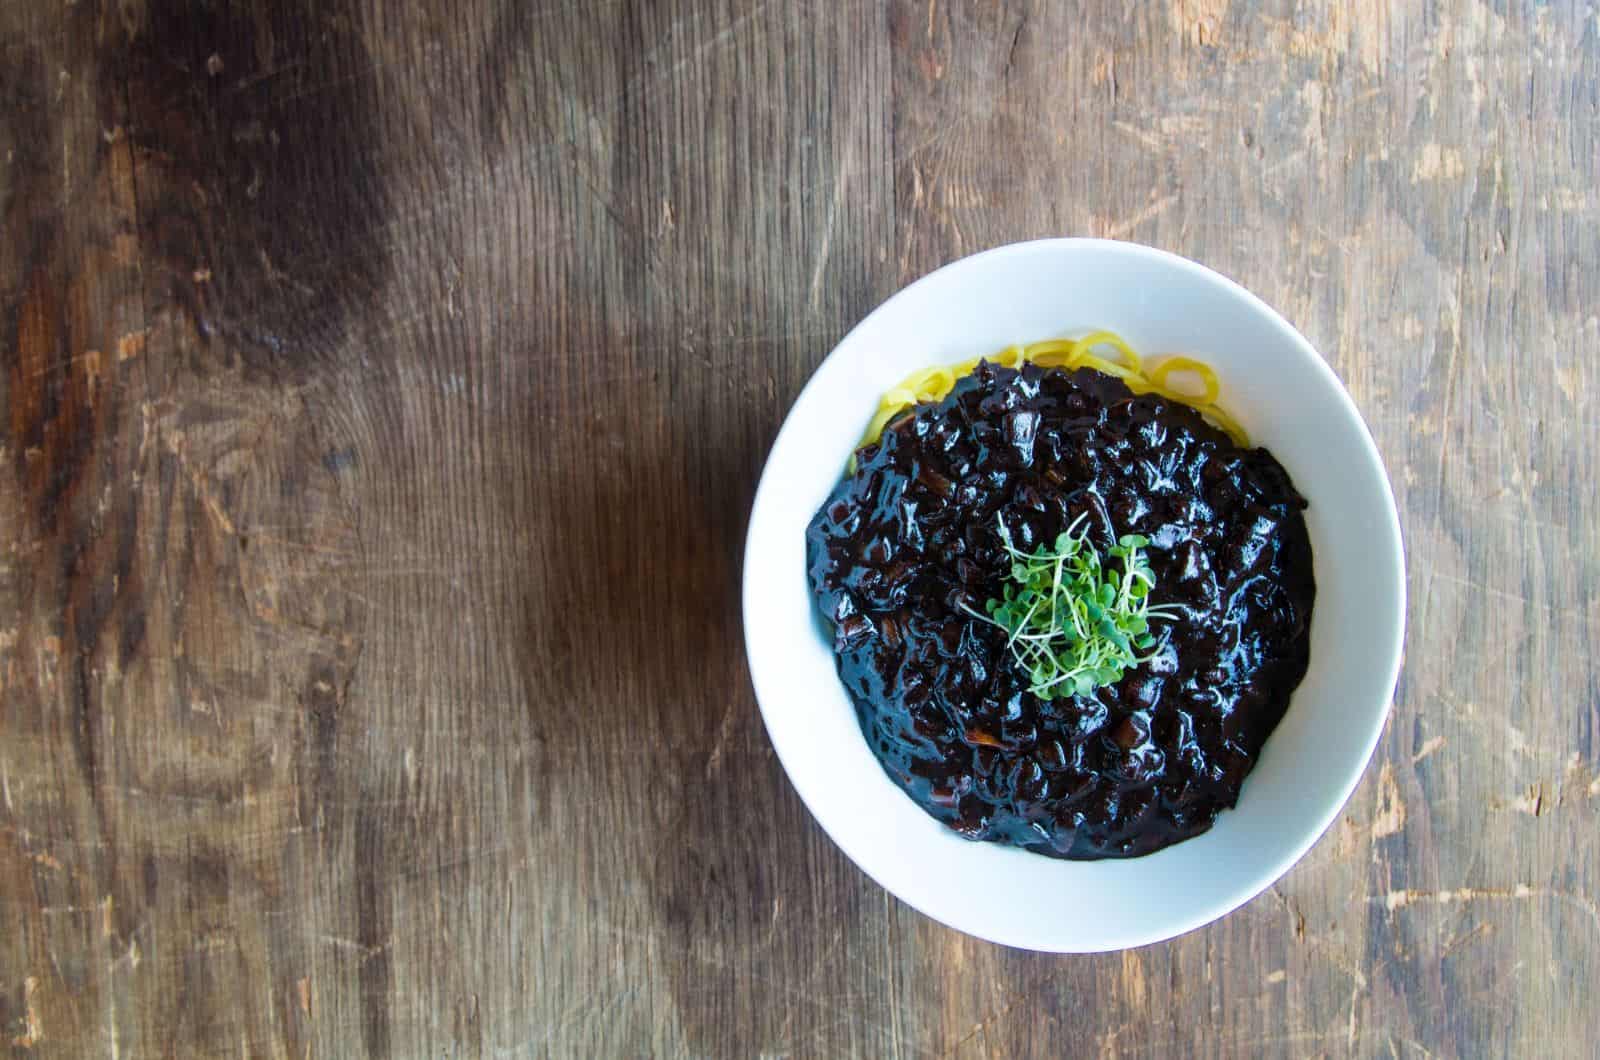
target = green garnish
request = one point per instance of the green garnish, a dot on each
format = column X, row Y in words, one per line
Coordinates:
column 1074, row 621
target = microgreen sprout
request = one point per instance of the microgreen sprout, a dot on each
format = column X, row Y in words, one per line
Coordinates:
column 1073, row 621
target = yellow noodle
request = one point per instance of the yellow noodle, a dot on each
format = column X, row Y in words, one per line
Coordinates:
column 1054, row 360
column 1110, row 338
column 1052, row 353
column 880, row 420
column 899, row 396
column 1037, row 349
column 1229, row 426
column 936, row 384
column 933, row 384
column 1208, row 379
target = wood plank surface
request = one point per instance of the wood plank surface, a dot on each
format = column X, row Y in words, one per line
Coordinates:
column 385, row 384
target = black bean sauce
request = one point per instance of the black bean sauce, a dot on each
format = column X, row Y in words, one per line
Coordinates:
column 910, row 537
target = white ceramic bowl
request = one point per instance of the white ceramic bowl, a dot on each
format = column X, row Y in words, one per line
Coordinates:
column 1288, row 400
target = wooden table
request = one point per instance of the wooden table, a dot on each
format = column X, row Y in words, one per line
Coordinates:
column 385, row 386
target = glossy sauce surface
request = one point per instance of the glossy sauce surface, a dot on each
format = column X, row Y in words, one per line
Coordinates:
column 911, row 536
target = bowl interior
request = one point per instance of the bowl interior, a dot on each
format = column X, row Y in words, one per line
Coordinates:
column 1286, row 398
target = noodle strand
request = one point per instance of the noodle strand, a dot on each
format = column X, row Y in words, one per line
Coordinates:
column 931, row 385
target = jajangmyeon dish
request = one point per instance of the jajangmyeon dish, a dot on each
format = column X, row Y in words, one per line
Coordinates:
column 1068, row 600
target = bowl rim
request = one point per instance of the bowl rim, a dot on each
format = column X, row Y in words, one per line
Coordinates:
column 1395, row 640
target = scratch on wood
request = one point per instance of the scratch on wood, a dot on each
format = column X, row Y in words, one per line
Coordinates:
column 1357, row 977
column 1428, row 748
column 132, row 957
column 1532, row 800
column 111, row 1022
column 44, row 859
column 724, row 730
column 1394, row 901
column 89, row 359
column 1391, row 816
column 981, row 1026
column 1155, row 209
column 1579, row 611
column 1133, row 980
column 825, row 250
column 1366, row 30
column 1350, row 1036
column 365, row 952
column 32, row 1026
column 176, row 444
column 1011, row 52
column 131, row 345
column 1105, row 70
column 1199, row 22
column 1455, row 943
column 1437, row 162
column 1144, row 137
column 1293, row 910
column 1517, row 742
column 1402, row 898
column 1419, row 1047
column 725, row 34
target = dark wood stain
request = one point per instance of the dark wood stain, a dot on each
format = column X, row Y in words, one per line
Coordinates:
column 261, row 184
column 384, row 388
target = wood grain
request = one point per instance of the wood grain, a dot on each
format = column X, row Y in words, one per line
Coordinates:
column 385, row 385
